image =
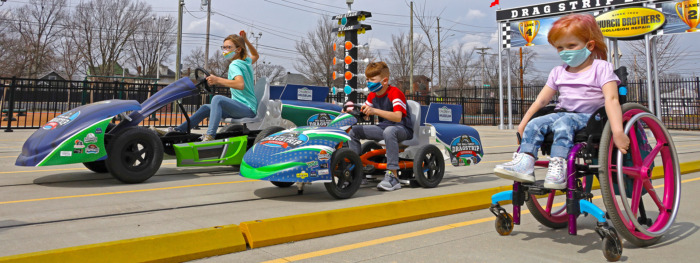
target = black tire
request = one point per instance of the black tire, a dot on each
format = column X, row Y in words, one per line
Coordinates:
column 504, row 224
column 606, row 187
column 134, row 155
column 370, row 146
column 431, row 157
column 97, row 166
column 267, row 132
column 612, row 246
column 282, row 184
column 346, row 174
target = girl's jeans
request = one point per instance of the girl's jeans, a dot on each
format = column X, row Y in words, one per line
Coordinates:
column 220, row 107
column 563, row 124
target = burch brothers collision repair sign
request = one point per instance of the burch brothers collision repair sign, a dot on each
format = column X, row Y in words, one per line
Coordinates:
column 630, row 22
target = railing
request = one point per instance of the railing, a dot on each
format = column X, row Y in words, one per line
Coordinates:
column 30, row 103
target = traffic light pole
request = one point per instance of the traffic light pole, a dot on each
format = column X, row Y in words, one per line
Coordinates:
column 349, row 27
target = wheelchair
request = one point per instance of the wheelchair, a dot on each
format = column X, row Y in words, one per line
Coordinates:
column 625, row 182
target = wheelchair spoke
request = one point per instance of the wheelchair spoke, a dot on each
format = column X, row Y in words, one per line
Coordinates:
column 550, row 201
column 652, row 193
column 649, row 160
column 636, row 195
column 631, row 171
column 634, row 149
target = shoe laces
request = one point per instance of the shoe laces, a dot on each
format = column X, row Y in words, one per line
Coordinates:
column 516, row 158
column 556, row 166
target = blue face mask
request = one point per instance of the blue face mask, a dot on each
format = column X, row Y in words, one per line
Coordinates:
column 374, row 86
column 575, row 58
column 229, row 55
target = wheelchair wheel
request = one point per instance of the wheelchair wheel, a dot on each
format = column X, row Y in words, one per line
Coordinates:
column 504, row 224
column 624, row 195
column 549, row 216
column 429, row 166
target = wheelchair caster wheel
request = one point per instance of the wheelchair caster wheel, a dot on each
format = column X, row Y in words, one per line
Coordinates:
column 504, row 224
column 612, row 246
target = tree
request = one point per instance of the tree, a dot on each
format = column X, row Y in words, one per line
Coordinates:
column 195, row 59
column 529, row 56
column 71, row 62
column 38, row 24
column 152, row 44
column 103, row 29
column 460, row 68
column 667, row 51
column 428, row 24
column 316, row 51
column 218, row 65
column 399, row 58
column 273, row 73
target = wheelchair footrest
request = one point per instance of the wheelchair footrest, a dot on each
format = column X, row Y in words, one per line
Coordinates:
column 537, row 188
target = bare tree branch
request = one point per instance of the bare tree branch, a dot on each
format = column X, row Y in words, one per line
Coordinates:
column 317, row 54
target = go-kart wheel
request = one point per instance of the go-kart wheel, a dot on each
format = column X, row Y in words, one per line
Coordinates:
column 267, row 132
column 504, row 224
column 134, row 155
column 429, row 166
column 612, row 246
column 346, row 174
column 97, row 166
column 202, row 80
column 282, row 184
column 369, row 146
column 623, row 202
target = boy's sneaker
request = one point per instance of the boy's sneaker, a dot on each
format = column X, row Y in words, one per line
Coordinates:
column 521, row 168
column 556, row 175
column 162, row 132
column 390, row 182
column 207, row 137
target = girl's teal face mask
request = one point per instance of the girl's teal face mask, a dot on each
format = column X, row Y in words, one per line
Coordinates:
column 575, row 58
column 230, row 54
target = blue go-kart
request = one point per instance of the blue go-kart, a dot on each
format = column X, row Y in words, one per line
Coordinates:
column 88, row 134
column 317, row 154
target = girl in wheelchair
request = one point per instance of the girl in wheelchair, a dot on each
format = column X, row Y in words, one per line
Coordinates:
column 585, row 82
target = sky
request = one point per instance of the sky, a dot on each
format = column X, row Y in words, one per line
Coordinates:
column 283, row 22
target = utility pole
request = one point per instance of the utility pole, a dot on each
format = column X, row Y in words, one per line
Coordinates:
column 178, row 57
column 439, row 51
column 482, row 52
column 522, row 105
column 256, row 46
column 410, row 47
column 206, row 45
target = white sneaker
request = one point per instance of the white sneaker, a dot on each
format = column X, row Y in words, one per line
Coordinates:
column 207, row 137
column 162, row 132
column 521, row 168
column 556, row 175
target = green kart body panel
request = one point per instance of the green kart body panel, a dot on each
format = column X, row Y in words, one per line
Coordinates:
column 228, row 151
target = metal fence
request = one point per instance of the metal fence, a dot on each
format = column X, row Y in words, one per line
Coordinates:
column 30, row 103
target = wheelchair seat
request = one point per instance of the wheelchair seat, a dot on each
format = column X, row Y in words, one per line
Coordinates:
column 262, row 95
column 421, row 134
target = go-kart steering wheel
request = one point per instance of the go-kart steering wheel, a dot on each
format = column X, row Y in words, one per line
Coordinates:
column 355, row 112
column 202, row 82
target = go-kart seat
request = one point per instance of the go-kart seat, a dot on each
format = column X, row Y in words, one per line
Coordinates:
column 421, row 134
column 262, row 95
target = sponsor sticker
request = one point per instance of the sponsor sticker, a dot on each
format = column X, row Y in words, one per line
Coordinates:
column 324, row 156
column 92, row 149
column 320, row 120
column 313, row 174
column 62, row 119
column 305, row 94
column 302, row 175
column 77, row 151
column 312, row 164
column 78, row 144
column 324, row 165
column 445, row 114
column 465, row 150
column 98, row 130
column 322, row 172
column 66, row 153
column 90, row 138
column 286, row 140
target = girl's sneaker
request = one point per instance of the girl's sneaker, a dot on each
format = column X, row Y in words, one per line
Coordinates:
column 521, row 168
column 556, row 175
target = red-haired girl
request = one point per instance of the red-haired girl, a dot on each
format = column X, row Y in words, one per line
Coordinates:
column 585, row 83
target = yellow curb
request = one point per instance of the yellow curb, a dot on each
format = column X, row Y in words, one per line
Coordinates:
column 174, row 247
column 267, row 232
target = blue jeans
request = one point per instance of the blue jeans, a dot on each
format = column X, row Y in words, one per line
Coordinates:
column 392, row 135
column 220, row 107
column 563, row 124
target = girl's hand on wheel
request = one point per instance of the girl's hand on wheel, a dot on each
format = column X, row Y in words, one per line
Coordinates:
column 213, row 80
column 622, row 142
